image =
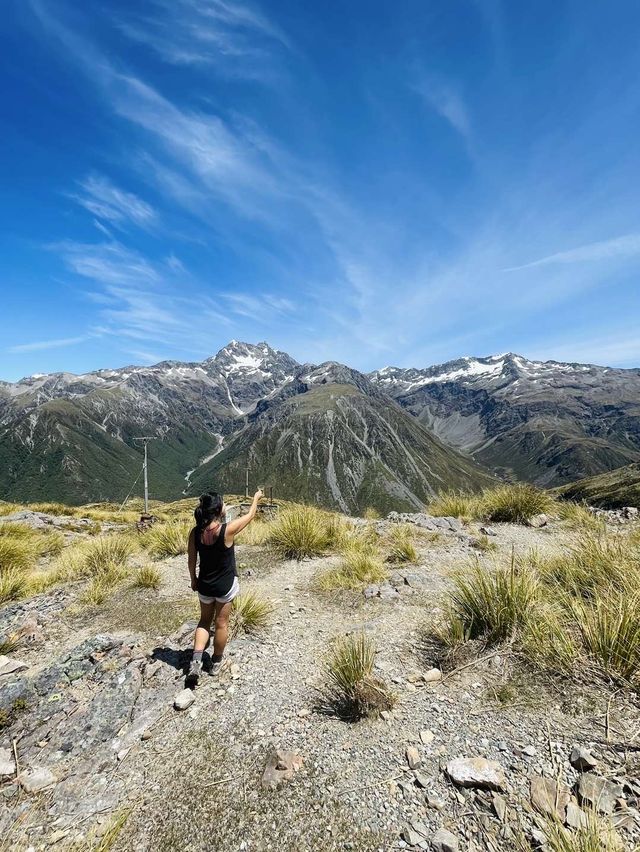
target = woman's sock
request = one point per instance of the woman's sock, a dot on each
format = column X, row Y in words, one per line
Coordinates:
column 197, row 656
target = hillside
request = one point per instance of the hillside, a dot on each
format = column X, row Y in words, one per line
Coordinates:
column 339, row 442
column 317, row 433
column 470, row 744
column 612, row 490
column 544, row 422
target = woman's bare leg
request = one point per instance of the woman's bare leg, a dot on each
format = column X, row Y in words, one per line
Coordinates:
column 207, row 612
column 223, row 611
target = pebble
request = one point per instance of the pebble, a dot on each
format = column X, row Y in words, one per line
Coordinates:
column 7, row 762
column 476, row 772
column 432, row 676
column 413, row 757
column 444, row 841
column 184, row 699
column 582, row 759
column 37, row 778
column 427, row 737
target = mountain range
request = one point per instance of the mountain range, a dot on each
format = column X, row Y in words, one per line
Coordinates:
column 326, row 433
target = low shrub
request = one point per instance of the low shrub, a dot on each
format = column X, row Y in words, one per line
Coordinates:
column 401, row 546
column 168, row 539
column 147, row 577
column 455, row 504
column 353, row 690
column 301, row 531
column 250, row 613
column 514, row 503
column 492, row 604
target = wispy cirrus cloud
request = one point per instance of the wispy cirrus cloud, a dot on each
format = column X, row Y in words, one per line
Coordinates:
column 442, row 96
column 41, row 345
column 618, row 247
column 234, row 36
column 108, row 202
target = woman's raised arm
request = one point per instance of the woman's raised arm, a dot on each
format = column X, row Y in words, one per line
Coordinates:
column 238, row 524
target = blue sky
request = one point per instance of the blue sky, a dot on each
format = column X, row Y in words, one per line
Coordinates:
column 371, row 182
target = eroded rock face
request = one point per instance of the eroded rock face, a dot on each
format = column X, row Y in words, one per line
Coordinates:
column 476, row 772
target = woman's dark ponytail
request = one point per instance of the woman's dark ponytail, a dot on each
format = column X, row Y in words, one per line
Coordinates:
column 209, row 508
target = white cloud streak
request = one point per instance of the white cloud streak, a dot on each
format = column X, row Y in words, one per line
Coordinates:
column 40, row 345
column 442, row 96
column 619, row 247
column 109, row 203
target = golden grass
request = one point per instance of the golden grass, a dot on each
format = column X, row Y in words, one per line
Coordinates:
column 400, row 544
column 353, row 690
column 257, row 533
column 167, row 539
column 576, row 516
column 371, row 514
column 250, row 613
column 455, row 504
column 301, row 531
column 596, row 835
column 147, row 577
column 514, row 503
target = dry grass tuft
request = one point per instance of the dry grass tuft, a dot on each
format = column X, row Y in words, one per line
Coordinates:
column 301, row 531
column 371, row 514
column 353, row 690
column 401, row 546
column 576, row 516
column 514, row 503
column 167, row 539
column 147, row 577
column 249, row 614
column 455, row 504
column 256, row 534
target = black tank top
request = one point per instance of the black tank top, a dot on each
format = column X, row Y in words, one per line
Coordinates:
column 217, row 565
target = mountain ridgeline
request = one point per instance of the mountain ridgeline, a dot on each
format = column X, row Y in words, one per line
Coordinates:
column 326, row 433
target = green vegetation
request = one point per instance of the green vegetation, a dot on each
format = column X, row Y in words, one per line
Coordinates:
column 147, row 577
column 371, row 514
column 576, row 614
column 577, row 516
column 301, row 531
column 455, row 504
column 596, row 835
column 611, row 490
column 511, row 503
column 514, row 503
column 167, row 539
column 249, row 614
column 353, row 690
column 401, row 546
column 257, row 533
column 360, row 563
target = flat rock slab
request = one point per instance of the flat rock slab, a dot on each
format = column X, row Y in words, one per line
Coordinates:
column 37, row 778
column 549, row 797
column 7, row 762
column 476, row 772
column 582, row 759
column 184, row 699
column 281, row 766
column 598, row 792
column 9, row 665
column 444, row 841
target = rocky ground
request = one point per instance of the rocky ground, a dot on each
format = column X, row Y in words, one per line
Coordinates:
column 94, row 755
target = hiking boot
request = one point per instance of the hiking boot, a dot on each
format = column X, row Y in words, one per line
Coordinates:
column 216, row 667
column 195, row 670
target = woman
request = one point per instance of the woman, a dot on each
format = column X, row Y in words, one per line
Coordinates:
column 212, row 540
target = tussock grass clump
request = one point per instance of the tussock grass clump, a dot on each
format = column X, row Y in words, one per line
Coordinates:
column 595, row 563
column 13, row 584
column 169, row 539
column 491, row 604
column 401, row 546
column 16, row 554
column 484, row 544
column 357, row 569
column 147, row 577
column 514, row 503
column 371, row 514
column 250, row 613
column 455, row 504
column 353, row 690
column 610, row 628
column 107, row 555
column 301, row 531
column 8, row 508
column 596, row 835
column 576, row 516
column 256, row 534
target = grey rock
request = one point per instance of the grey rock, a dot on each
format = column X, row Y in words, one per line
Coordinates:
column 576, row 817
column 499, row 806
column 598, row 792
column 413, row 757
column 582, row 759
column 411, row 837
column 281, row 766
column 434, row 801
column 538, row 521
column 549, row 797
column 444, row 841
column 371, row 591
column 9, row 665
column 387, row 593
column 530, row 751
column 184, row 699
column 432, row 676
column 37, row 778
column 488, row 531
column 476, row 772
column 421, row 780
column 7, row 762
column 426, row 737
column 629, row 512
